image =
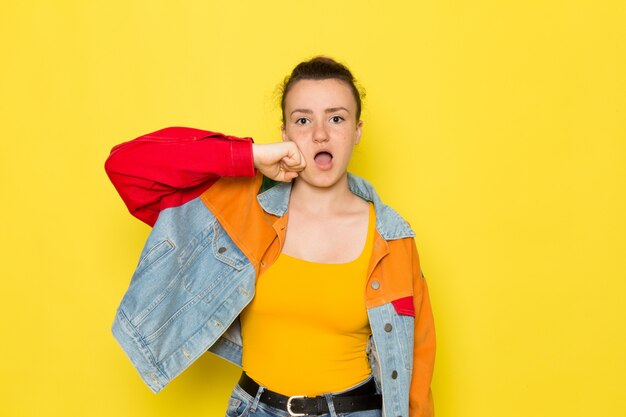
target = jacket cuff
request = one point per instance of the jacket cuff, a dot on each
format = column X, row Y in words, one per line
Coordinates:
column 241, row 159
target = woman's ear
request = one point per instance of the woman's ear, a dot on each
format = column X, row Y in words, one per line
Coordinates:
column 284, row 133
column 359, row 129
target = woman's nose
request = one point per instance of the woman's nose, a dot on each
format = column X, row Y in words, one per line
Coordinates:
column 320, row 134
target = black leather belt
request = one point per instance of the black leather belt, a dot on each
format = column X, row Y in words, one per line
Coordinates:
column 361, row 398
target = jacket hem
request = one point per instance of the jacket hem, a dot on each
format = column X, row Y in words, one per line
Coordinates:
column 138, row 353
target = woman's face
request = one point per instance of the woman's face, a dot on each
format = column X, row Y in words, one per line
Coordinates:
column 320, row 117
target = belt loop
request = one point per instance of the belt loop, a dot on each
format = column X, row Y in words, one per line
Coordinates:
column 257, row 398
column 331, row 405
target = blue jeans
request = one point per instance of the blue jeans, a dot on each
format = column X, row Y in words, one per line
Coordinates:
column 241, row 404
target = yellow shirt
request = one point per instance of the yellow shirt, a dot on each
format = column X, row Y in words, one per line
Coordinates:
column 306, row 329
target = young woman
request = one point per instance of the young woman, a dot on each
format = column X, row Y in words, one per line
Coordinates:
column 277, row 259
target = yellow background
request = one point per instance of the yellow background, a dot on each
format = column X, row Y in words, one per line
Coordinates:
column 497, row 128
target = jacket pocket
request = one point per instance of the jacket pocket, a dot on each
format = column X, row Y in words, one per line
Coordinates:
column 153, row 254
column 209, row 262
column 152, row 279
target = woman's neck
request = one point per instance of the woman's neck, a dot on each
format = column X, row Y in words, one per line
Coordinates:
column 327, row 200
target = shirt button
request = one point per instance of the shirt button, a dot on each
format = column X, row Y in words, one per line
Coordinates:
column 222, row 249
column 394, row 375
column 375, row 285
column 388, row 327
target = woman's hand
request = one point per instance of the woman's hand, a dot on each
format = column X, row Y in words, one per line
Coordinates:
column 280, row 161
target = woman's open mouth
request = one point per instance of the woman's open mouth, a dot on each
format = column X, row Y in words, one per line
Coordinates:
column 323, row 160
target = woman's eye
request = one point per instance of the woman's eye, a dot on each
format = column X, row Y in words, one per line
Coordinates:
column 336, row 119
column 301, row 121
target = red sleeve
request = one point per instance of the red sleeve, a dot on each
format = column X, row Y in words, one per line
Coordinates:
column 172, row 166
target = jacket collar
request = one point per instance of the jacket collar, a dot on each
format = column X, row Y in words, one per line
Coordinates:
column 389, row 224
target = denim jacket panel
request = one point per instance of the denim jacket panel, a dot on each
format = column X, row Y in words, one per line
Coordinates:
column 190, row 285
column 390, row 353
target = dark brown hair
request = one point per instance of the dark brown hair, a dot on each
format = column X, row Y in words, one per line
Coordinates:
column 321, row 68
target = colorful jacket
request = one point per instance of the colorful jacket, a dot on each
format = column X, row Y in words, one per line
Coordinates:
column 198, row 268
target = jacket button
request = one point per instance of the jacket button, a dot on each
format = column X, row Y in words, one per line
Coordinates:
column 222, row 249
column 375, row 285
column 394, row 375
column 388, row 327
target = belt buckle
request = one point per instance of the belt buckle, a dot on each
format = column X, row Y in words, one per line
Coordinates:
column 291, row 413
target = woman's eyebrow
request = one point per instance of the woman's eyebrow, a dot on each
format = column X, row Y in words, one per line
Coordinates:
column 302, row 111
column 329, row 110
column 334, row 109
